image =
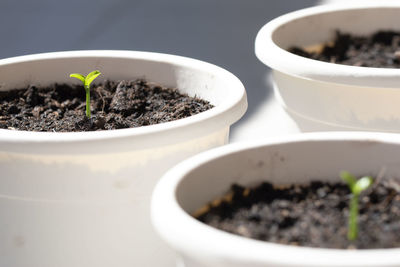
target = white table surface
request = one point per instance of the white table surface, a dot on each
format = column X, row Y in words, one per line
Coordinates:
column 268, row 119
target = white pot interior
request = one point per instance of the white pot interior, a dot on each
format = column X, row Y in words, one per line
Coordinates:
column 286, row 163
column 189, row 76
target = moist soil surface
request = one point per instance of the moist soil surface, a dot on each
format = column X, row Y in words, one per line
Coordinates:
column 114, row 105
column 313, row 215
column 381, row 50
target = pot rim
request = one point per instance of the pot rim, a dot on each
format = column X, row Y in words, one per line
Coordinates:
column 227, row 113
column 271, row 54
column 186, row 234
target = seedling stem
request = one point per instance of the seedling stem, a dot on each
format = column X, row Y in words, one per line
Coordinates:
column 356, row 187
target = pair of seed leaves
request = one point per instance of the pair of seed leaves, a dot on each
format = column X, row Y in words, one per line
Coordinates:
column 86, row 80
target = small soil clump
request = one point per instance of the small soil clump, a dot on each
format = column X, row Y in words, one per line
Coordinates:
column 380, row 50
column 115, row 105
column 313, row 215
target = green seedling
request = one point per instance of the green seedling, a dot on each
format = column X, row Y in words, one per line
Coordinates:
column 86, row 80
column 356, row 187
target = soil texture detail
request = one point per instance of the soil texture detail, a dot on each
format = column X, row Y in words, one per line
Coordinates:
column 380, row 50
column 114, row 105
column 313, row 215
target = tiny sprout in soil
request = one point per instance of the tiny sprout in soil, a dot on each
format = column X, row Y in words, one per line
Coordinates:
column 86, row 80
column 356, row 187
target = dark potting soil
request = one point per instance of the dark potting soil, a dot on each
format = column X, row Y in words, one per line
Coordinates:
column 381, row 50
column 114, row 105
column 313, row 215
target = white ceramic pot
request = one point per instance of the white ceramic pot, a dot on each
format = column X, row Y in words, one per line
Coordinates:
column 326, row 96
column 83, row 199
column 295, row 159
